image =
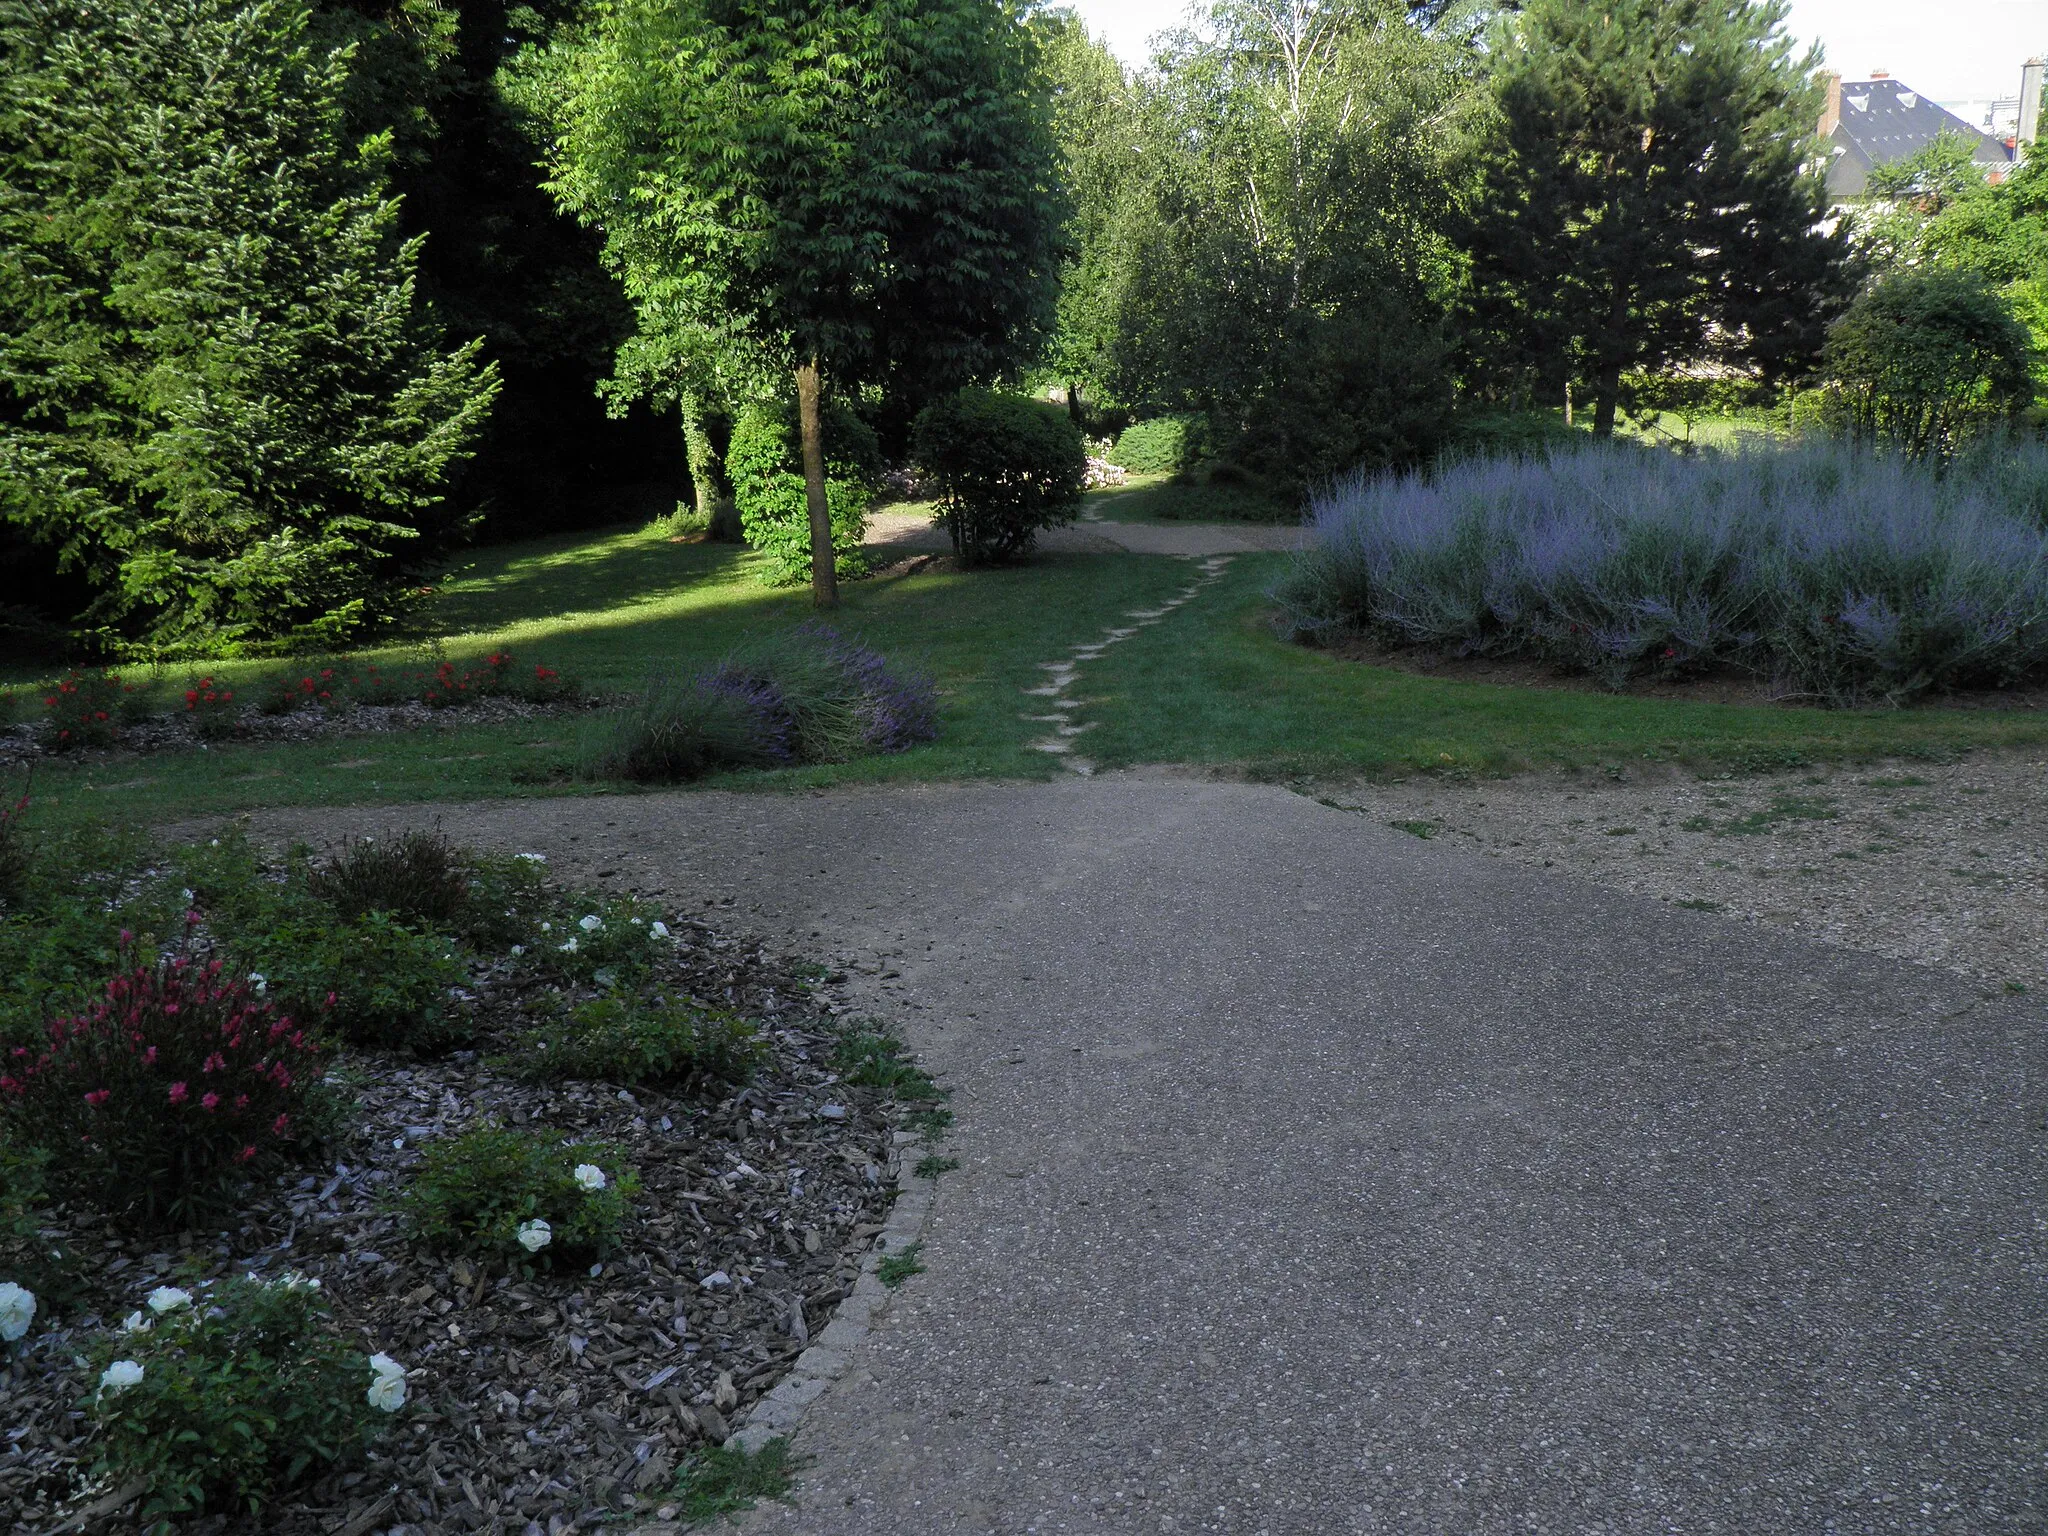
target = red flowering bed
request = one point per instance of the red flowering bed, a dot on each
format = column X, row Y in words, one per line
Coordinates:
column 176, row 1079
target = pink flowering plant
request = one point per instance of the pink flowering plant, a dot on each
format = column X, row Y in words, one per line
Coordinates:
column 219, row 1399
column 164, row 1094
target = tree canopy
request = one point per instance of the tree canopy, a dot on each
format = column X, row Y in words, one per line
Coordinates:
column 222, row 404
column 862, row 193
column 1652, row 192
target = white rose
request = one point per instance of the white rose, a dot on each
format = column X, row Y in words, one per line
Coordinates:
column 518, row 949
column 259, row 981
column 570, row 947
column 168, row 1298
column 387, row 1393
column 591, row 923
column 590, row 1176
column 535, row 1235
column 120, row 1376
column 384, row 1365
column 17, row 1310
column 537, row 858
column 135, row 1322
column 659, row 930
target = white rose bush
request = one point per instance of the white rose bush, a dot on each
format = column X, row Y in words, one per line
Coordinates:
column 219, row 1397
column 522, row 1197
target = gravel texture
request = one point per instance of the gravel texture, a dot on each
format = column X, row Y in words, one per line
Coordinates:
column 1943, row 863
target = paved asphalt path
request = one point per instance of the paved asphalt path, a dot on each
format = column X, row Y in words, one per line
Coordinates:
column 1318, row 1179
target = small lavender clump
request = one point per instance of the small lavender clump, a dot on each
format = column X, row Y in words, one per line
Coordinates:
column 808, row 695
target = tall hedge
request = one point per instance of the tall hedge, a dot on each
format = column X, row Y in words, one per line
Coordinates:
column 219, row 400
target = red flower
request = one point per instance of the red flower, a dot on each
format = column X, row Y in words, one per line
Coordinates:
column 247, row 1154
column 97, row 1097
column 180, row 1093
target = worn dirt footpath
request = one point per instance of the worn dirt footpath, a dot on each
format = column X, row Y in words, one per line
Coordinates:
column 1321, row 1179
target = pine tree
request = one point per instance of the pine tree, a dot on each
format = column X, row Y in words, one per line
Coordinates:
column 218, row 398
column 1653, row 184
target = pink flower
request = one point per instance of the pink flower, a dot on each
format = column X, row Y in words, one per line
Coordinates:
column 97, row 1097
column 210, row 1103
column 149, row 1057
column 278, row 1125
column 179, row 1093
column 247, row 1154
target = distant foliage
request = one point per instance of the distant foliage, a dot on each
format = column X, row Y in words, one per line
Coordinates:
column 1848, row 577
column 223, row 405
column 810, row 695
column 1923, row 360
column 1367, row 392
column 1004, row 468
column 167, row 1093
column 765, row 465
column 1163, row 445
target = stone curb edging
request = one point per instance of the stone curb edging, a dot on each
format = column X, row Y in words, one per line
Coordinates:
column 830, row 1355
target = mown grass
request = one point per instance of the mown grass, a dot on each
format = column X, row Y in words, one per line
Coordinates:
column 611, row 607
column 1210, row 686
column 1214, row 685
column 1158, row 498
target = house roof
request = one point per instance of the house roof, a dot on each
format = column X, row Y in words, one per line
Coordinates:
column 1884, row 121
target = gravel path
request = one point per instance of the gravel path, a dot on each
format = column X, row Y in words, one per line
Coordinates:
column 1320, row 1178
column 896, row 531
column 1946, row 864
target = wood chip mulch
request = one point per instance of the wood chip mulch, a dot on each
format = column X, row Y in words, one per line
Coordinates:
column 540, row 1403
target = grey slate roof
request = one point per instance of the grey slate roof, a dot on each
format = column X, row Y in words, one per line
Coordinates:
column 1886, row 120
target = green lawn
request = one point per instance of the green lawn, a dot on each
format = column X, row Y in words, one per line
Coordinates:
column 1157, row 499
column 1210, row 685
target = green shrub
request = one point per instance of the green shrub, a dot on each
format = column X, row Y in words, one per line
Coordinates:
column 605, row 941
column 416, row 877
column 1003, row 468
column 1349, row 392
column 165, row 1095
column 231, row 1398
column 84, row 709
column 1507, row 435
column 1924, row 360
column 370, row 980
column 626, row 1040
column 477, row 1192
column 765, row 463
column 677, row 730
column 210, row 706
column 1164, row 445
column 806, row 695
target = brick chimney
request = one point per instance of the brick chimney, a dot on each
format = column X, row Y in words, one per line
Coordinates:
column 2030, row 100
column 1880, row 74
column 1831, row 114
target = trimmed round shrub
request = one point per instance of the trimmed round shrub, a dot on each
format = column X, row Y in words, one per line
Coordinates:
column 766, row 467
column 160, row 1099
column 1165, row 445
column 1923, row 360
column 1003, row 467
column 219, row 1402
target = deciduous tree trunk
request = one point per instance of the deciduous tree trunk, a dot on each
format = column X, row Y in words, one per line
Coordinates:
column 824, row 573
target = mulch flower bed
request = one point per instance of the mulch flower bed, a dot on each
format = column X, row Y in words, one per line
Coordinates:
column 177, row 733
column 541, row 1402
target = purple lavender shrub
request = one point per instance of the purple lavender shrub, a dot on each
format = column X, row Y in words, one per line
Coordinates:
column 1847, row 577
